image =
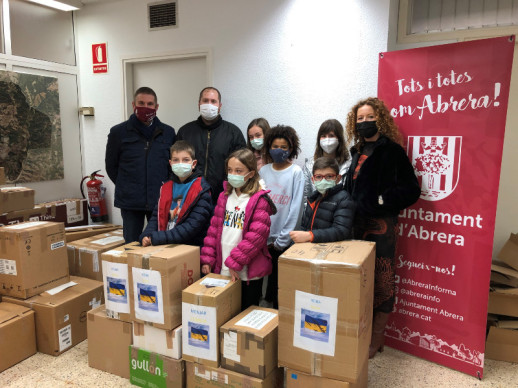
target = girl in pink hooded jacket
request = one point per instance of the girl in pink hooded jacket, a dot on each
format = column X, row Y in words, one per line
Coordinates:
column 236, row 240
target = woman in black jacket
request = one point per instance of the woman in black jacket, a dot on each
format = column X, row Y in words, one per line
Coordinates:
column 382, row 182
column 329, row 211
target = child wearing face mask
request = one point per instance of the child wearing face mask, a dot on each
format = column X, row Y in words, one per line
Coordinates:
column 329, row 213
column 330, row 143
column 235, row 245
column 257, row 131
column 184, row 207
column 286, row 182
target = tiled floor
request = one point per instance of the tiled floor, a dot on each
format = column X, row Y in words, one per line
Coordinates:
column 388, row 369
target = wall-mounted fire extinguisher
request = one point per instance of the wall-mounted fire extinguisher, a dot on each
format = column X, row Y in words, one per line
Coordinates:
column 96, row 202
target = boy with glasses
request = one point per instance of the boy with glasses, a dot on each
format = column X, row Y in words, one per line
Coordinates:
column 329, row 210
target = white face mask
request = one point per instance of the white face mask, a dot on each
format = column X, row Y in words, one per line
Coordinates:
column 209, row 111
column 181, row 170
column 329, row 144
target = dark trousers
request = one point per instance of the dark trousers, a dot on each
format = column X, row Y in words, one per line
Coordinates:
column 273, row 279
column 251, row 293
column 133, row 223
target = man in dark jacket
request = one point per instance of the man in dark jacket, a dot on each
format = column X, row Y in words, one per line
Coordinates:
column 213, row 138
column 329, row 211
column 137, row 155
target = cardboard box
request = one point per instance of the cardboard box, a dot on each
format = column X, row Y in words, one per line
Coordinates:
column 153, row 370
column 17, row 216
column 206, row 305
column 74, row 233
column 84, row 256
column 296, row 379
column 325, row 308
column 248, row 342
column 117, row 287
column 502, row 344
column 2, row 176
column 158, row 275
column 17, row 334
column 61, row 318
column 16, row 198
column 509, row 252
column 200, row 376
column 72, row 211
column 165, row 342
column 108, row 342
column 33, row 258
column 503, row 301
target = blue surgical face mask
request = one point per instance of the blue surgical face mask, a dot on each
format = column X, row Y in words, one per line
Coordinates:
column 236, row 181
column 323, row 185
column 257, row 143
column 181, row 170
column 279, row 155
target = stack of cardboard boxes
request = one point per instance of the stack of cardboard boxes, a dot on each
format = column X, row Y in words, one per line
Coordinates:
column 502, row 340
column 325, row 313
column 34, row 276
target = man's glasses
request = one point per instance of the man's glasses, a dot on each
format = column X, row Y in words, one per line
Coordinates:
column 328, row 177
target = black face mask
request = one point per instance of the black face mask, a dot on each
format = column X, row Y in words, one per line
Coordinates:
column 366, row 129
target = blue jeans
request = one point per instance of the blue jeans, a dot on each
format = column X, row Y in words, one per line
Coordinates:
column 133, row 223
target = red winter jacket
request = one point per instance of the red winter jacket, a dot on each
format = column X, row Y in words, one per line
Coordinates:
column 252, row 249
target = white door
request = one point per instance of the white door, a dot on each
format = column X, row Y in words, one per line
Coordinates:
column 177, row 83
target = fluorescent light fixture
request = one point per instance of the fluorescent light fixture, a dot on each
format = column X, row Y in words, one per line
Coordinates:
column 63, row 5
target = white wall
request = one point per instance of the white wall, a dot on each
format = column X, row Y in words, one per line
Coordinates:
column 295, row 62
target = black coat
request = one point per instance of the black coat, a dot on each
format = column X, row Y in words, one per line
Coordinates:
column 212, row 144
column 329, row 217
column 387, row 172
column 136, row 165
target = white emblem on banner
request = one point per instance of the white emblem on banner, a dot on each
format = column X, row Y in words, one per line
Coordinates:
column 436, row 161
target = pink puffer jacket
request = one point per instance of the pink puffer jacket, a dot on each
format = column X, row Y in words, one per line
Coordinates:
column 252, row 250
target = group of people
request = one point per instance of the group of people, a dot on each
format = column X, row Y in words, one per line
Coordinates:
column 245, row 203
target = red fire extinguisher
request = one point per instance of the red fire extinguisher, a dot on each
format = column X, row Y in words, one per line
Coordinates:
column 96, row 202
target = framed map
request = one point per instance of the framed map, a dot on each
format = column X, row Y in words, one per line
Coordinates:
column 30, row 128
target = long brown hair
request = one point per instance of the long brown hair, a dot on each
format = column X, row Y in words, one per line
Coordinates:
column 384, row 122
column 334, row 126
column 247, row 157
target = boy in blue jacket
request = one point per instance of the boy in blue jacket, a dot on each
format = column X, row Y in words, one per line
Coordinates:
column 329, row 211
column 184, row 207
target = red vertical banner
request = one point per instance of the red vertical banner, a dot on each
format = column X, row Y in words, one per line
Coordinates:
column 450, row 103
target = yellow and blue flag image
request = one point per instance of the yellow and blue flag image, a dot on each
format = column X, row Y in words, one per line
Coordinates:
column 314, row 325
column 147, row 297
column 116, row 290
column 199, row 335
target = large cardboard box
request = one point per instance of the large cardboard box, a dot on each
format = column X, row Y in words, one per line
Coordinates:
column 296, row 379
column 206, row 305
column 84, row 256
column 153, row 370
column 248, row 342
column 325, row 308
column 165, row 342
column 72, row 211
column 117, row 286
column 503, row 301
column 61, row 317
column 33, row 258
column 108, row 342
column 509, row 252
column 16, row 198
column 158, row 275
column 17, row 216
column 17, row 334
column 74, row 233
column 201, row 376
column 502, row 344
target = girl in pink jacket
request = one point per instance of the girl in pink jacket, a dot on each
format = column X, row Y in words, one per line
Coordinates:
column 236, row 240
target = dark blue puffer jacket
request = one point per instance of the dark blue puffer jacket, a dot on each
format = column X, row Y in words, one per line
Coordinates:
column 136, row 165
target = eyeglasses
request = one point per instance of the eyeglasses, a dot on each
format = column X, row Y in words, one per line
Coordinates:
column 328, row 177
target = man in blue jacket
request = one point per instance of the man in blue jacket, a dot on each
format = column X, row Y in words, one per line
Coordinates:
column 137, row 161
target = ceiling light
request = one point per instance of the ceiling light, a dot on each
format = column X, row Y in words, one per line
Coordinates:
column 63, row 5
